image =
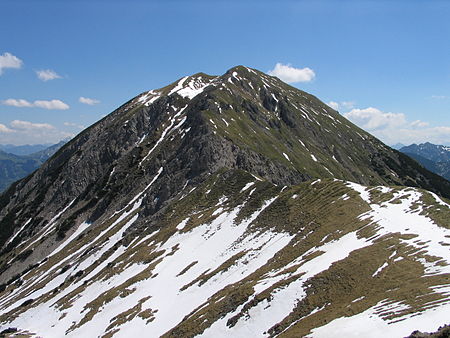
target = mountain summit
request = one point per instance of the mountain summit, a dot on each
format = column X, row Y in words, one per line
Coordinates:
column 222, row 205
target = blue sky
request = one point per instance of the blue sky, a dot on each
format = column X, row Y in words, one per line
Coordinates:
column 385, row 65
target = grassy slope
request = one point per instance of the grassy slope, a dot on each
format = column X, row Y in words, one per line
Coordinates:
column 318, row 214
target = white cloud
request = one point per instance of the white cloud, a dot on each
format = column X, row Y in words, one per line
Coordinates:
column 348, row 104
column 290, row 74
column 405, row 135
column 7, row 60
column 344, row 104
column 88, row 101
column 419, row 124
column 17, row 103
column 373, row 118
column 333, row 105
column 26, row 125
column 47, row 74
column 393, row 128
column 5, row 129
column 439, row 97
column 26, row 132
column 52, row 104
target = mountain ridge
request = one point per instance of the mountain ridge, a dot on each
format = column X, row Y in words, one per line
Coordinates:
column 26, row 149
column 207, row 112
column 221, row 194
column 433, row 152
column 435, row 158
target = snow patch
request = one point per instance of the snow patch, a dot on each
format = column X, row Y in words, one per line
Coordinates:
column 182, row 224
column 248, row 185
column 364, row 194
column 370, row 324
column 381, row 268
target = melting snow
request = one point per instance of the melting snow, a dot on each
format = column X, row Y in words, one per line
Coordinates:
column 149, row 97
column 178, row 86
column 18, row 232
column 369, row 324
column 316, row 181
column 182, row 224
column 397, row 217
column 345, row 197
column 248, row 185
column 83, row 226
column 224, row 239
column 194, row 87
column 365, row 195
column 167, row 131
column 385, row 264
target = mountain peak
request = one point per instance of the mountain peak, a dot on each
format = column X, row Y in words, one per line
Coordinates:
column 243, row 71
column 173, row 138
column 225, row 194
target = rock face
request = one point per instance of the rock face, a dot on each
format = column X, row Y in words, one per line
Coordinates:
column 220, row 194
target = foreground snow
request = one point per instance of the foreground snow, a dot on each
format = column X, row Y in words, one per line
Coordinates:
column 196, row 263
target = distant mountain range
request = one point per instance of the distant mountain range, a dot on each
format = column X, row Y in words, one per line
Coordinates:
column 14, row 166
column 397, row 146
column 23, row 150
column 435, row 158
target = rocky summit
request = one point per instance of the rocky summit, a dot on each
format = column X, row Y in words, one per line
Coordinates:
column 231, row 205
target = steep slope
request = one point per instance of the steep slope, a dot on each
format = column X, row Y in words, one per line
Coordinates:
column 243, row 119
column 443, row 169
column 435, row 158
column 201, row 165
column 242, row 257
column 48, row 152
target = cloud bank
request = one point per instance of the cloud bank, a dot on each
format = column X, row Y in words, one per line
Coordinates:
column 373, row 118
column 26, row 125
column 393, row 128
column 26, row 132
column 5, row 129
column 51, row 104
